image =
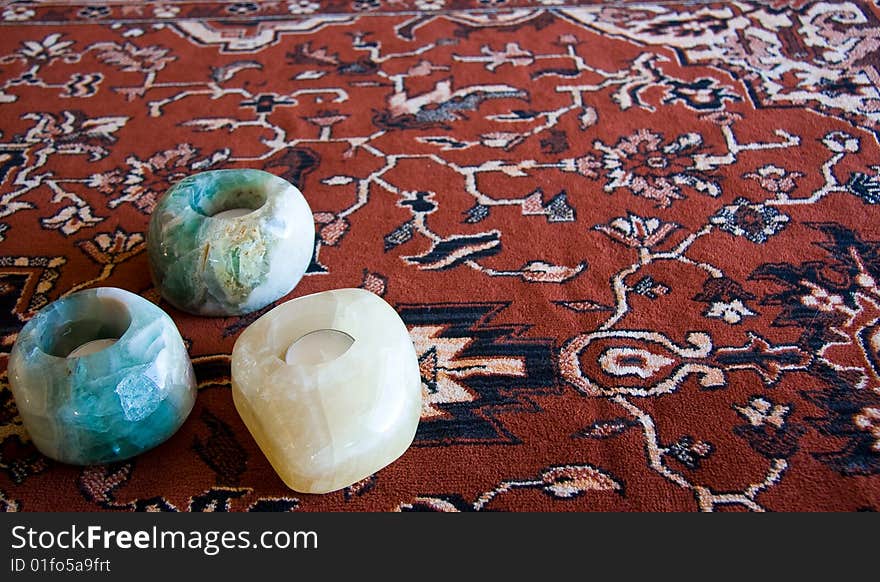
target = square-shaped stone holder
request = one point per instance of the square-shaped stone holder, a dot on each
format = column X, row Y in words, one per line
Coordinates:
column 328, row 425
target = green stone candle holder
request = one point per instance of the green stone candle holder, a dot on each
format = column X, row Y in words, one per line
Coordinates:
column 229, row 242
column 101, row 375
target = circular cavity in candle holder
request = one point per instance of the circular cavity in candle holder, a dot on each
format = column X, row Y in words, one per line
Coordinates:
column 318, row 347
column 66, row 338
column 228, row 202
column 233, row 213
column 92, row 347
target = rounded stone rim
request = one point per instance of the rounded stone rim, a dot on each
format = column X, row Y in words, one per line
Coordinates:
column 28, row 355
column 176, row 203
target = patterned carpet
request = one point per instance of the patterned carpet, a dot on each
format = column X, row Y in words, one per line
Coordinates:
column 637, row 245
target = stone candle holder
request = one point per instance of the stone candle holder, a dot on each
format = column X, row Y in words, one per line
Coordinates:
column 99, row 376
column 229, row 242
column 329, row 387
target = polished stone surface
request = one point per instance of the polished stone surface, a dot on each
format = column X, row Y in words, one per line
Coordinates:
column 208, row 261
column 341, row 412
column 110, row 404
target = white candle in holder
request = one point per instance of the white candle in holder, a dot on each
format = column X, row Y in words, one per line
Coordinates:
column 317, row 347
column 91, row 347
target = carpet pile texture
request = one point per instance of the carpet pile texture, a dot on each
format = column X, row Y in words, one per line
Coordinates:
column 637, row 245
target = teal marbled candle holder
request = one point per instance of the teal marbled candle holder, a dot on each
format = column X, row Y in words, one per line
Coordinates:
column 229, row 242
column 82, row 406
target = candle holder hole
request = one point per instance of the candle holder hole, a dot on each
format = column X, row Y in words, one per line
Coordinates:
column 243, row 200
column 318, row 347
column 105, row 319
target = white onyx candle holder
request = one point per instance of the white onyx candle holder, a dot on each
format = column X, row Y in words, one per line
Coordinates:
column 329, row 386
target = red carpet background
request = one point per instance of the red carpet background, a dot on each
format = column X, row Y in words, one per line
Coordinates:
column 636, row 245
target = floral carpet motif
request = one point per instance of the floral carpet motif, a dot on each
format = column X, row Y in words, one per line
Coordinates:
column 637, row 245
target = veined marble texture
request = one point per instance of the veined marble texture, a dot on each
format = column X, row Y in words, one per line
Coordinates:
column 325, row 426
column 209, row 265
column 109, row 405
